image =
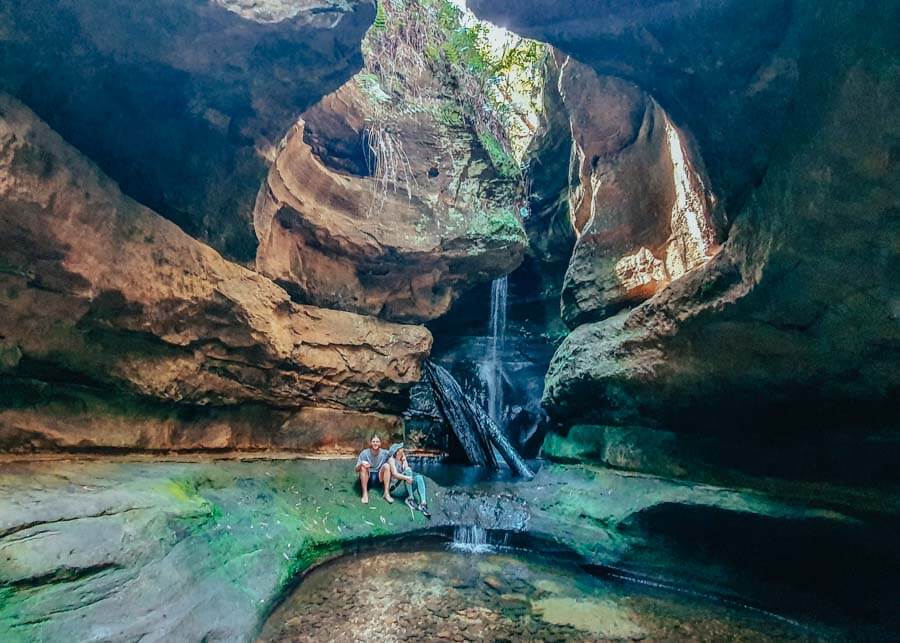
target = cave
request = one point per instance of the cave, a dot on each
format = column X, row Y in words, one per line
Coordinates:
column 449, row 320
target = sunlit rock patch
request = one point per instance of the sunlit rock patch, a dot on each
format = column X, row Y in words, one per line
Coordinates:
column 637, row 200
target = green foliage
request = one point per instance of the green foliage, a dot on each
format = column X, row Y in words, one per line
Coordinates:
column 371, row 87
column 502, row 160
column 501, row 224
column 450, row 116
column 410, row 36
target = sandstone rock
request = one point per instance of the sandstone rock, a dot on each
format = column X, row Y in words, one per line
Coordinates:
column 181, row 103
column 637, row 198
column 796, row 317
column 383, row 200
column 44, row 418
column 99, row 291
column 725, row 72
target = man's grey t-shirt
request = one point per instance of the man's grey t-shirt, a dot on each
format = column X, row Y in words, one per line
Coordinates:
column 374, row 460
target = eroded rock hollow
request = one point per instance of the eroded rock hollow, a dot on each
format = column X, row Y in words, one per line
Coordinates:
column 383, row 200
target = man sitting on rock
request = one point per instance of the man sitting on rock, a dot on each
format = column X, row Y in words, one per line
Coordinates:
column 372, row 467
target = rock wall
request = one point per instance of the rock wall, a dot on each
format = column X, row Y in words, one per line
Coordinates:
column 793, row 326
column 549, row 226
column 724, row 71
column 383, row 201
column 637, row 196
column 99, row 292
column 179, row 102
column 798, row 305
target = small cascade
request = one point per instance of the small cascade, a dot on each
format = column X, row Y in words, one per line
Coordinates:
column 471, row 539
column 493, row 365
column 473, row 427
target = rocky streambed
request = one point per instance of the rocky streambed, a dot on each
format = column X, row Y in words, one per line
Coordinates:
column 113, row 551
column 435, row 594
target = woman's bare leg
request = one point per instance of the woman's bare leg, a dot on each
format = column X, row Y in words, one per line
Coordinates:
column 385, row 475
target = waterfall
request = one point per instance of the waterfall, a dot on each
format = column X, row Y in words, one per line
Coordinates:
column 471, row 538
column 472, row 426
column 493, row 365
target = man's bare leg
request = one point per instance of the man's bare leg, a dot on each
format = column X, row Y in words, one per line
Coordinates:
column 385, row 475
column 364, row 483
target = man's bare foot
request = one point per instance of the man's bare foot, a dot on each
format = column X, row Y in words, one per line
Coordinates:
column 365, row 500
column 388, row 498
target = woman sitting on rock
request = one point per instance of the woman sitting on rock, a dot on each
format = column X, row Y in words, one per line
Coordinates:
column 401, row 470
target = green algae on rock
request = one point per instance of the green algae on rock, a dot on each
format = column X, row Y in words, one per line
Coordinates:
column 192, row 550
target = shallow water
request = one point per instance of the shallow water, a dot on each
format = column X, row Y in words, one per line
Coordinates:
column 449, row 474
column 516, row 596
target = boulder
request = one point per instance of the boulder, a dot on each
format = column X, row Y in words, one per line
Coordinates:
column 100, row 292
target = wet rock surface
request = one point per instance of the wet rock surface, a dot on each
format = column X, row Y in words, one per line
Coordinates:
column 463, row 344
column 795, row 318
column 101, row 297
column 206, row 549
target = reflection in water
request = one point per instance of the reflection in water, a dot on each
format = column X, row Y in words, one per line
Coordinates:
column 453, row 596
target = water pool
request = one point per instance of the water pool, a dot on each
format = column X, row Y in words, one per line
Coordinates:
column 439, row 594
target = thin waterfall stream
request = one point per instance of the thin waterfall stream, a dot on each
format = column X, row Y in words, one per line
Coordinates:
column 492, row 368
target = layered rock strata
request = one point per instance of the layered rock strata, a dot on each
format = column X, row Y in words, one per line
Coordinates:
column 794, row 324
column 101, row 292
